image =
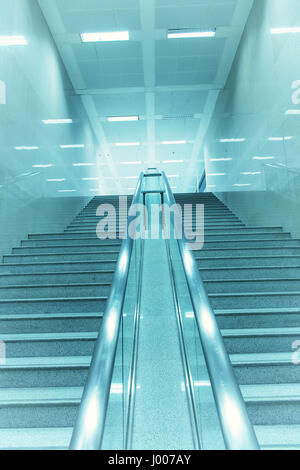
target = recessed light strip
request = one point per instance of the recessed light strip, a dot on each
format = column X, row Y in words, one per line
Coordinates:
column 285, row 30
column 13, row 41
column 191, row 33
column 122, row 118
column 105, row 36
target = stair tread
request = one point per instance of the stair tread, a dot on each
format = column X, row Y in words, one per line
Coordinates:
column 271, row 392
column 46, row 362
column 35, row 438
column 262, row 358
column 261, row 332
column 48, row 336
column 44, row 316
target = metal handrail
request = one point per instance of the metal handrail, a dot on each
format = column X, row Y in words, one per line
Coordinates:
column 236, row 427
column 89, row 428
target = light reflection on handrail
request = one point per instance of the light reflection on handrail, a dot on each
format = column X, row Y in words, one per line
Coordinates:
column 236, row 427
column 89, row 428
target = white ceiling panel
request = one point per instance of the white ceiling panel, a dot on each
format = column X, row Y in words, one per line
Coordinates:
column 149, row 75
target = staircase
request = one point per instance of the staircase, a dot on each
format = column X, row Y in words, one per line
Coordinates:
column 252, row 276
column 53, row 291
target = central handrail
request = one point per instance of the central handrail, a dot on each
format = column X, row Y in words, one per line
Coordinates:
column 89, row 428
column 236, row 427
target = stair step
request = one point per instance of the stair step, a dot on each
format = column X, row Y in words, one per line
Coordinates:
column 275, row 404
column 39, row 407
column 56, row 278
column 70, row 242
column 55, row 290
column 262, row 340
column 66, row 249
column 258, row 318
column 35, row 438
column 247, row 285
column 278, row 437
column 265, row 368
column 60, row 371
column 53, row 257
column 250, row 273
column 50, row 323
column 248, row 261
column 255, row 300
column 53, row 305
column 247, row 251
column 63, row 266
column 49, row 344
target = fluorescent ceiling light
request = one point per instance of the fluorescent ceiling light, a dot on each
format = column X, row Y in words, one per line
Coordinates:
column 75, row 146
column 173, row 161
column 173, row 176
column 220, row 159
column 26, row 148
column 251, row 173
column 104, row 37
column 122, row 118
column 216, row 174
column 90, row 179
column 127, row 144
column 130, row 163
column 241, row 185
column 279, row 139
column 211, row 186
column 191, row 33
column 263, row 158
column 83, row 164
column 13, row 41
column 285, row 30
column 129, row 177
column 174, row 142
column 48, row 165
column 232, row 140
column 67, row 190
column 56, row 180
column 292, row 112
column 57, row 121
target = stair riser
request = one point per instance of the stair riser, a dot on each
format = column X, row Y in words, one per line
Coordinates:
column 50, row 377
column 52, row 306
column 116, row 247
column 49, row 348
column 244, row 273
column 70, row 242
column 274, row 413
column 248, row 252
column 227, row 231
column 255, row 301
column 252, row 286
column 95, row 241
column 55, row 267
column 50, row 326
column 65, row 249
column 45, row 416
column 263, row 344
column 267, row 374
column 55, row 278
column 53, row 292
column 60, row 258
column 257, row 320
column 243, row 262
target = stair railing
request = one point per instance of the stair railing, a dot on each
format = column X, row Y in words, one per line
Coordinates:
column 236, row 427
column 89, row 427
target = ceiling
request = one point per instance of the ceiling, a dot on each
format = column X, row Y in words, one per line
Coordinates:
column 172, row 85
